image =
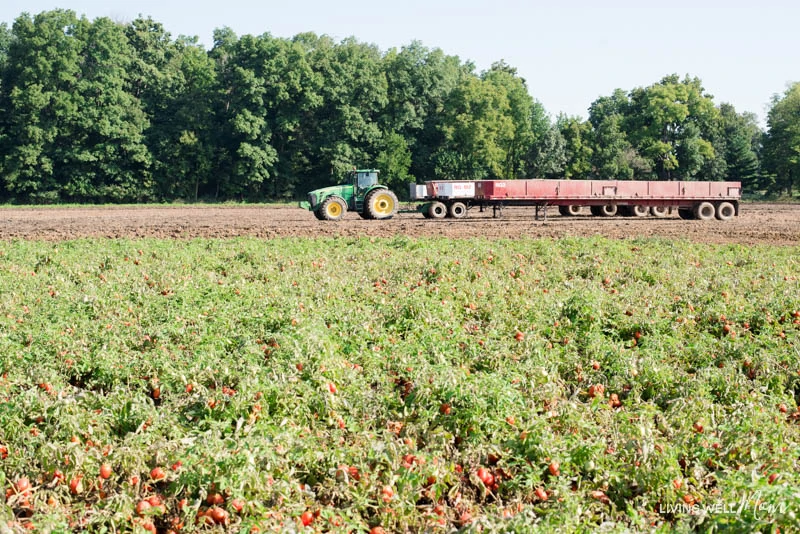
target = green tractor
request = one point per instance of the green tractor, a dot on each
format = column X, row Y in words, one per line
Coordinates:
column 363, row 194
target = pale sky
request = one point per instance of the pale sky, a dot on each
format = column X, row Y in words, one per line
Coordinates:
column 570, row 51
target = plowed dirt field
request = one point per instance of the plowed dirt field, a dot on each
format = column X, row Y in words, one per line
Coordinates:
column 757, row 223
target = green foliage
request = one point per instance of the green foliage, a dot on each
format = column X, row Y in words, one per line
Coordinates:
column 310, row 375
column 666, row 124
column 394, row 162
column 97, row 111
column 782, row 142
column 39, row 100
column 477, row 129
column 546, row 157
column 577, row 147
column 671, row 130
column 614, row 157
column 521, row 109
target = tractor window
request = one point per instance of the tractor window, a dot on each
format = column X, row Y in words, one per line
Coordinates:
column 367, row 179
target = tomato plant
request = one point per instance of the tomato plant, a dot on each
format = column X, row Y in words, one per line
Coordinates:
column 449, row 395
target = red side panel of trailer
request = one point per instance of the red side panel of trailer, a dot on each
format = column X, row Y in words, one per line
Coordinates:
column 599, row 190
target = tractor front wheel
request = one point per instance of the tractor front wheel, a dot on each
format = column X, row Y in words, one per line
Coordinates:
column 332, row 209
column 381, row 204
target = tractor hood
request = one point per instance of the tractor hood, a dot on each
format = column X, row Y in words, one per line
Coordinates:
column 316, row 196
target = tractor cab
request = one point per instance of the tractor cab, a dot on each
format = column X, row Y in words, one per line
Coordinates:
column 364, row 180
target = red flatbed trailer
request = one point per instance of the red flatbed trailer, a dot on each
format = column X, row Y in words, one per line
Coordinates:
column 693, row 200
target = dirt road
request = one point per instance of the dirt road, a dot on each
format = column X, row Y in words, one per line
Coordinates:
column 757, row 223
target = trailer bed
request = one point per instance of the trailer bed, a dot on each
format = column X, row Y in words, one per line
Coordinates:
column 590, row 192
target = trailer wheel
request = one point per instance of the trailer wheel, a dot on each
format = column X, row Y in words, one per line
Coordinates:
column 569, row 211
column 640, row 211
column 687, row 214
column 458, row 210
column 437, row 210
column 608, row 210
column 332, row 209
column 704, row 211
column 659, row 211
column 725, row 211
column 381, row 204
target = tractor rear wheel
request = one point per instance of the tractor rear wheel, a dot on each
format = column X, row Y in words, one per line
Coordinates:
column 332, row 209
column 381, row 204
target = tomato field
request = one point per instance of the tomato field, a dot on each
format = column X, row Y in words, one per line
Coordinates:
column 398, row 384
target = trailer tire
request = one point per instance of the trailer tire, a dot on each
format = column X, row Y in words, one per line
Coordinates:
column 437, row 210
column 725, row 211
column 381, row 204
column 640, row 211
column 608, row 210
column 659, row 211
column 333, row 209
column 704, row 211
column 687, row 214
column 457, row 210
column 569, row 211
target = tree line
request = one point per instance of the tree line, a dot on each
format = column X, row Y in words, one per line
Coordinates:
column 101, row 111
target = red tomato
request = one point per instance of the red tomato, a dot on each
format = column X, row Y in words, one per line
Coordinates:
column 306, row 518
column 238, row 505
column 157, row 473
column 105, row 471
column 22, row 485
column 553, row 468
column 142, row 507
column 75, row 485
column 219, row 515
column 215, row 498
column 485, row 476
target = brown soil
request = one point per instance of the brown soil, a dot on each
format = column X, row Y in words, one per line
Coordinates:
column 758, row 223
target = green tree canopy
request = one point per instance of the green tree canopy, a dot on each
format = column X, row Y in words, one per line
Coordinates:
column 782, row 142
